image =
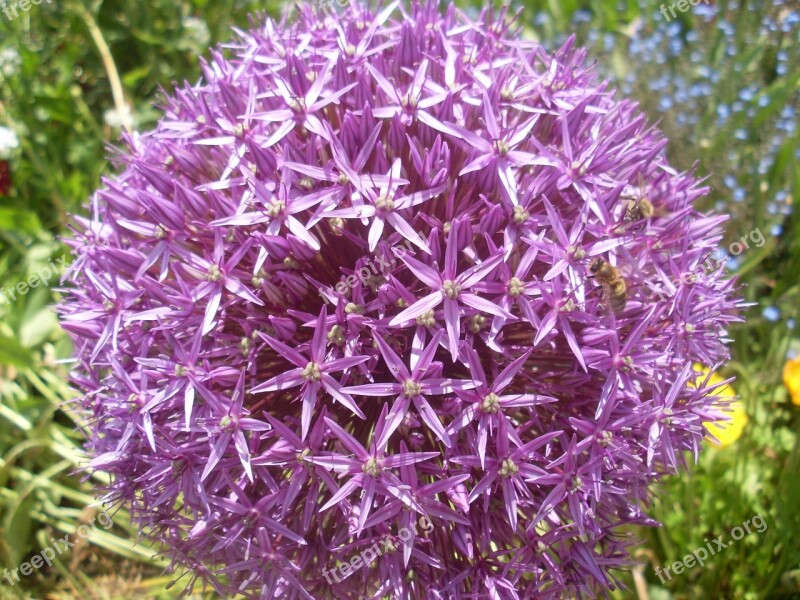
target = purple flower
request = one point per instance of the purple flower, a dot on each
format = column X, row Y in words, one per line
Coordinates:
column 345, row 284
column 411, row 387
column 450, row 289
column 312, row 374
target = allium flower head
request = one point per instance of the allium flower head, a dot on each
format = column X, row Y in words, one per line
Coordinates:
column 389, row 265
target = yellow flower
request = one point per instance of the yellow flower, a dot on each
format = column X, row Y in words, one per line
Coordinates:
column 727, row 432
column 791, row 379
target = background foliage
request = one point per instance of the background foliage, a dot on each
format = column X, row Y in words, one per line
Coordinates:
column 723, row 80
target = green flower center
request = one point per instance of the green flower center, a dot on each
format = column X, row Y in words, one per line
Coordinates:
column 384, row 204
column 491, row 404
column 520, row 215
column 312, row 372
column 426, row 319
column 214, row 274
column 451, row 289
column 290, row 263
column 354, row 309
column 476, row 323
column 336, row 224
column 259, row 278
column 410, row 102
column 371, row 467
column 336, row 335
column 508, row 468
column 411, row 388
column 276, row 208
column 515, row 287
column 576, row 252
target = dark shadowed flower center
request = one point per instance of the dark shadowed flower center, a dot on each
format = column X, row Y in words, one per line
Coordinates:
column 476, row 323
column 297, row 105
column 250, row 517
column 336, row 224
column 336, row 335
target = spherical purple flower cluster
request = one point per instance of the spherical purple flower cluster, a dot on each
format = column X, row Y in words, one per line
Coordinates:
column 390, row 266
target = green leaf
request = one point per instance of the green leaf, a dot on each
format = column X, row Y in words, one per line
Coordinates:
column 19, row 220
column 38, row 328
column 18, row 529
column 14, row 354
